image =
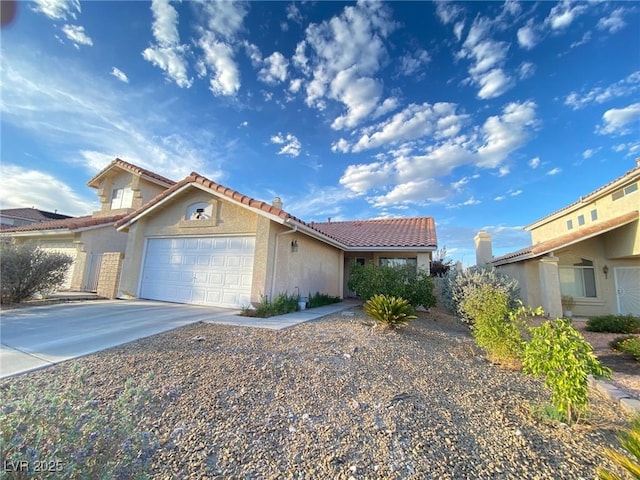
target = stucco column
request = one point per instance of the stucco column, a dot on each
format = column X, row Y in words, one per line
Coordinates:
column 550, row 286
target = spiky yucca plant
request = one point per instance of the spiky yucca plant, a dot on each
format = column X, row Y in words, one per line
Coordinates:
column 630, row 441
column 392, row 312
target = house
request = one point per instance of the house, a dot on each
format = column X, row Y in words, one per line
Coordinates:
column 203, row 243
column 17, row 217
column 589, row 250
column 121, row 188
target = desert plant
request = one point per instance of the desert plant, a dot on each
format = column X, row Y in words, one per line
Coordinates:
column 405, row 282
column 392, row 312
column 320, row 299
column 27, row 269
column 455, row 286
column 614, row 324
column 69, row 432
column 628, row 344
column 629, row 462
column 558, row 352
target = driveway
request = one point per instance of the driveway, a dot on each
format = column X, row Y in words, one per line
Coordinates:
column 35, row 337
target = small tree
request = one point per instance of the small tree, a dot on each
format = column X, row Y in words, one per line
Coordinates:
column 27, row 269
column 440, row 266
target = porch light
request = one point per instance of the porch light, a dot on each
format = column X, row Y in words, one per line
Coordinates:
column 605, row 270
column 294, row 246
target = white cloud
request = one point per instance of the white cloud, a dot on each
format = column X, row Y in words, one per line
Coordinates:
column 499, row 198
column 528, row 36
column 554, row 171
column 244, row 124
column 23, row 188
column 412, row 63
column 364, row 177
column 622, row 88
column 293, row 13
column 534, row 162
column 616, row 119
column 218, row 58
column 590, row 152
column 526, row 70
column 290, row 144
column 613, row 22
column 275, row 69
column 448, row 12
column 167, row 54
column 224, row 19
column 295, row 85
column 77, row 35
column 563, row 14
column 341, row 146
column 57, row 9
column 119, row 74
column 416, row 192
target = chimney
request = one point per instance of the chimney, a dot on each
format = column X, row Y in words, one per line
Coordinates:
column 277, row 203
column 484, row 251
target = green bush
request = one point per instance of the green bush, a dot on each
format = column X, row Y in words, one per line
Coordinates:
column 630, row 463
column 321, row 299
column 405, row 282
column 392, row 312
column 282, row 304
column 630, row 345
column 614, row 324
column 75, row 434
column 27, row 269
column 456, row 286
column 558, row 352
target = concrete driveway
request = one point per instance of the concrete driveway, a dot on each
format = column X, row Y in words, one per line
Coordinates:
column 36, row 337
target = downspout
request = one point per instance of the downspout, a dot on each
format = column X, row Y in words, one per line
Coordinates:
column 275, row 257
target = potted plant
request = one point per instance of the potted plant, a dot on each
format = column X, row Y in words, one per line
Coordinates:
column 567, row 305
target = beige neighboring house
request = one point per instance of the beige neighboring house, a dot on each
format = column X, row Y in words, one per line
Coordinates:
column 18, row 217
column 92, row 241
column 200, row 242
column 589, row 250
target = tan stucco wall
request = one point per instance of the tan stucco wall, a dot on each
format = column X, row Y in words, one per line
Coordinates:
column 623, row 242
column 143, row 191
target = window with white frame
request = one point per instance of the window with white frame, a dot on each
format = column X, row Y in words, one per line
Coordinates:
column 594, row 215
column 580, row 220
column 121, row 198
column 579, row 279
column 398, row 262
column 569, row 224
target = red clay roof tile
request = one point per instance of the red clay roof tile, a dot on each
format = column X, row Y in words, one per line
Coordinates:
column 134, row 169
column 70, row 224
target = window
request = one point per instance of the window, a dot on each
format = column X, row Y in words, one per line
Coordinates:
column 398, row 262
column 121, row 198
column 630, row 189
column 618, row 194
column 579, row 279
column 580, row 220
column 569, row 224
column 594, row 215
column 360, row 261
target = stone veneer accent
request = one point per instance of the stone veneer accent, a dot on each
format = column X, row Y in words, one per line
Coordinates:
column 110, row 274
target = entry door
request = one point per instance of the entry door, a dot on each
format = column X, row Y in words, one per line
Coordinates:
column 628, row 290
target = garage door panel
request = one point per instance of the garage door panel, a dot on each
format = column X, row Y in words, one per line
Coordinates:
column 199, row 270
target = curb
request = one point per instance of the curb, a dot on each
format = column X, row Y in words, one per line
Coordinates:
column 627, row 403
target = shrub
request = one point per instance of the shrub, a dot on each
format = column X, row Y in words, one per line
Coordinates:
column 74, row 433
column 630, row 463
column 392, row 312
column 630, row 345
column 27, row 269
column 614, row 324
column 369, row 280
column 321, row 299
column 440, row 266
column 283, row 303
column 560, row 353
column 457, row 285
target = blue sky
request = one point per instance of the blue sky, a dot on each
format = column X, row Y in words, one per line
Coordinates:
column 484, row 115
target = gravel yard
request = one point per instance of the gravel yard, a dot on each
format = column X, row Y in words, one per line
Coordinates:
column 335, row 399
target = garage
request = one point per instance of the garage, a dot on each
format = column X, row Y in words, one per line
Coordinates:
column 212, row 270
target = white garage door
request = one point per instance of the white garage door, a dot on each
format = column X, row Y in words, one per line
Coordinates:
column 200, row 270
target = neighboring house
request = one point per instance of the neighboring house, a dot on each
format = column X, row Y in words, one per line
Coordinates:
column 18, row 217
column 121, row 188
column 589, row 250
column 202, row 243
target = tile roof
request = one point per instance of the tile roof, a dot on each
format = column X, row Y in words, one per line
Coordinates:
column 71, row 224
column 32, row 214
column 547, row 246
column 131, row 168
column 416, row 232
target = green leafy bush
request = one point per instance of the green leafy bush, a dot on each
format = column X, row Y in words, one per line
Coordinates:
column 405, row 282
column 629, row 344
column 392, row 312
column 558, row 352
column 27, row 269
column 456, row 286
column 75, row 433
column 283, row 303
column 614, row 324
column 629, row 463
column 321, row 299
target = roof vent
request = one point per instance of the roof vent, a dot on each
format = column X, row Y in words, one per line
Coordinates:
column 277, row 203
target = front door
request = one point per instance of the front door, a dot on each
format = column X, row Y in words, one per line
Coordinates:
column 628, row 290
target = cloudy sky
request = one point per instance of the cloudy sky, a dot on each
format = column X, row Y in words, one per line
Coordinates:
column 484, row 115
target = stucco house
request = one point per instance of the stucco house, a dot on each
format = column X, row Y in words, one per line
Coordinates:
column 18, row 217
column 121, row 188
column 589, row 250
column 203, row 243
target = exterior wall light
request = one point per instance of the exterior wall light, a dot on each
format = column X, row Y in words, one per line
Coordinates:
column 605, row 270
column 294, row 245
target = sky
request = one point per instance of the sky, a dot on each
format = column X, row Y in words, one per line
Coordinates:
column 483, row 115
